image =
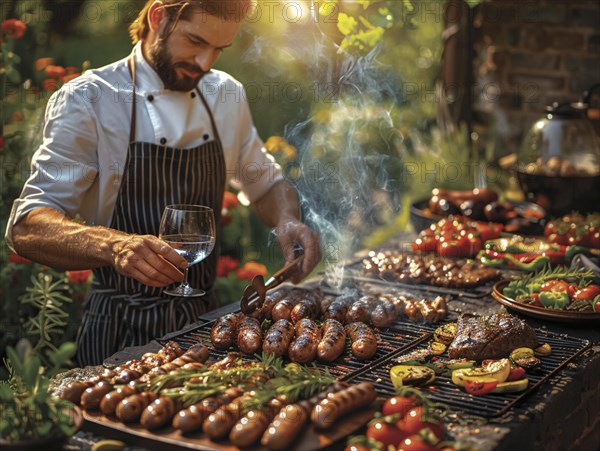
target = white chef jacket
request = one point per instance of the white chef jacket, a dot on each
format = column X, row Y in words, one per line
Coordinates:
column 79, row 165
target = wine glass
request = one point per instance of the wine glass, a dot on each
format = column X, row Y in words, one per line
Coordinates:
column 190, row 230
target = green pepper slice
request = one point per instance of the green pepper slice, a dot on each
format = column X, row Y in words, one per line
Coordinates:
column 554, row 299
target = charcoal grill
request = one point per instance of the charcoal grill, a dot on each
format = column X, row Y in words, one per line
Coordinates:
column 405, row 336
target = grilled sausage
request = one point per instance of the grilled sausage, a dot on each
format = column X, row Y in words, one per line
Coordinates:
column 191, row 419
column 303, row 348
column 91, row 397
column 326, row 302
column 360, row 311
column 219, row 423
column 427, row 311
column 440, row 306
column 412, row 311
column 338, row 404
column 249, row 335
column 229, row 361
column 384, row 314
column 283, row 309
column 333, row 342
column 278, row 338
column 306, row 308
column 130, row 409
column 158, row 413
column 171, row 350
column 73, row 391
column 364, row 342
column 250, row 428
column 270, row 300
column 109, row 402
column 284, row 429
column 222, row 334
column 337, row 311
column 153, row 360
column 198, row 352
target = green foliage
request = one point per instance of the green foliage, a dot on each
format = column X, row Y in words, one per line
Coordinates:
column 48, row 297
column 28, row 410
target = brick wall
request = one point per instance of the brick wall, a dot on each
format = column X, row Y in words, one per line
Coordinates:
column 529, row 54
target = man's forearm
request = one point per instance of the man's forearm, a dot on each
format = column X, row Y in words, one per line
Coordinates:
column 47, row 236
column 279, row 205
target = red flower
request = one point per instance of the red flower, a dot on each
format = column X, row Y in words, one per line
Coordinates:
column 55, row 71
column 230, row 200
column 43, row 63
column 16, row 258
column 49, row 84
column 225, row 265
column 80, row 276
column 251, row 269
column 70, row 77
column 14, row 28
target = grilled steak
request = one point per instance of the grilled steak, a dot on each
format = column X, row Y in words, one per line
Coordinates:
column 490, row 337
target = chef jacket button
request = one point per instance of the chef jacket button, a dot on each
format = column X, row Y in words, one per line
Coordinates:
column 163, row 140
column 150, row 98
column 193, row 94
column 206, row 137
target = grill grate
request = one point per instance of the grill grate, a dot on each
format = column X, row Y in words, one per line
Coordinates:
column 564, row 349
column 404, row 336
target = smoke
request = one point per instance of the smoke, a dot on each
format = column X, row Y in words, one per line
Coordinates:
column 349, row 147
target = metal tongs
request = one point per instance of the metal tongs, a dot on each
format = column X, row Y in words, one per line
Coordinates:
column 255, row 293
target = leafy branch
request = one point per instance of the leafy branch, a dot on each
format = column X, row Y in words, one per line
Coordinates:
column 48, row 297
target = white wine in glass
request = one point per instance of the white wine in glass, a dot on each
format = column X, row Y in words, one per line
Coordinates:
column 191, row 231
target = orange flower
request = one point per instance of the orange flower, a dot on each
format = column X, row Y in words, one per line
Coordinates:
column 55, row 71
column 80, row 276
column 14, row 28
column 226, row 264
column 230, row 200
column 71, row 70
column 71, row 77
column 16, row 258
column 49, row 84
column 43, row 63
column 251, row 269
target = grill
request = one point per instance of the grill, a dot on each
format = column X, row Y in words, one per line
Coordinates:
column 406, row 336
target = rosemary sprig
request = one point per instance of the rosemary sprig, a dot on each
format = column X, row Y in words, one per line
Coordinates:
column 582, row 278
column 190, row 397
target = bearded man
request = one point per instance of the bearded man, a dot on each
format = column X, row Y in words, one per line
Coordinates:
column 122, row 142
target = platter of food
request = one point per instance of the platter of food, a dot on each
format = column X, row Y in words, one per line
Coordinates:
column 545, row 313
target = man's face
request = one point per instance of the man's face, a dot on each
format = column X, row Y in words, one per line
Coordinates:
column 183, row 57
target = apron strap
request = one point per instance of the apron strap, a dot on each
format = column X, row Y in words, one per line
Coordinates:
column 212, row 119
column 131, row 65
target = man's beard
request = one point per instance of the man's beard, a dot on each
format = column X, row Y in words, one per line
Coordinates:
column 166, row 69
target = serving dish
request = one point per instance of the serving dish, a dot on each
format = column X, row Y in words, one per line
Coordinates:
column 541, row 312
column 421, row 217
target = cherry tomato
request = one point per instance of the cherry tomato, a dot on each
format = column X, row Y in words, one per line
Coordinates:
column 477, row 388
column 559, row 239
column 425, row 244
column 386, row 433
column 588, row 293
column 488, row 230
column 550, row 228
column 415, row 443
column 536, row 300
column 398, row 404
column 452, row 248
column 516, row 373
column 597, row 304
column 594, row 239
column 555, row 285
column 413, row 422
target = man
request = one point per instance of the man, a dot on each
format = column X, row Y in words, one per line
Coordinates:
column 120, row 143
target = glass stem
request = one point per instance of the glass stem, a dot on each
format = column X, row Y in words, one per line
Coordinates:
column 185, row 286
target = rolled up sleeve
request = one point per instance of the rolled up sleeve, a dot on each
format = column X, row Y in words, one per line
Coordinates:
column 65, row 165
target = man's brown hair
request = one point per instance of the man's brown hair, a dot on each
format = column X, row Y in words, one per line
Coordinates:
column 183, row 9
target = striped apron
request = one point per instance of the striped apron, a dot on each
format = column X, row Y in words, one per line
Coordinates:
column 120, row 311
